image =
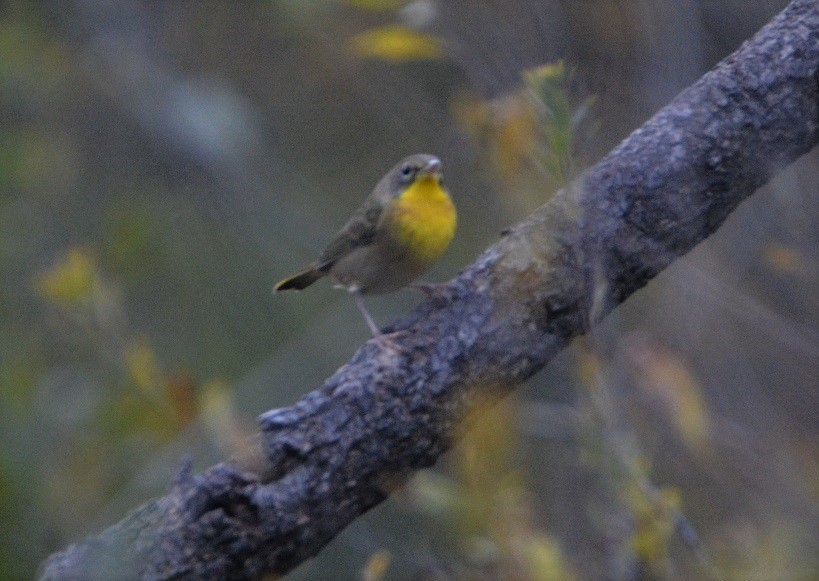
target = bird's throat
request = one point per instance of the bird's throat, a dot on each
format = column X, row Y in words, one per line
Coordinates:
column 425, row 220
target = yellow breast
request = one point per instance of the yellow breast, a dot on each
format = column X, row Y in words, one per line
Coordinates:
column 424, row 220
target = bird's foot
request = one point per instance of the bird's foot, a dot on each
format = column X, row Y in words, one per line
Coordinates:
column 385, row 341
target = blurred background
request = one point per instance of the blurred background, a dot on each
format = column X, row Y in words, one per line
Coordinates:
column 163, row 163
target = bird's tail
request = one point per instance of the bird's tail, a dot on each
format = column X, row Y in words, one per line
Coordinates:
column 300, row 280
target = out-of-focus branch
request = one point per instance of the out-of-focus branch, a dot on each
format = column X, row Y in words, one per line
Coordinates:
column 343, row 448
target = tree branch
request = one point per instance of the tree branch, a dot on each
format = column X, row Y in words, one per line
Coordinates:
column 343, row 448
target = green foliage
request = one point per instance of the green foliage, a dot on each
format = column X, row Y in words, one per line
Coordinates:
column 561, row 126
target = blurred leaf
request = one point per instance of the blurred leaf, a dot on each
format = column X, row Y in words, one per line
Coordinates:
column 434, row 493
column 494, row 511
column 489, row 482
column 654, row 524
column 376, row 567
column 218, row 415
column 71, row 281
column 588, row 366
column 544, row 560
column 531, row 132
column 671, row 382
column 396, row 44
column 376, row 5
column 784, row 259
column 142, row 366
column 181, row 389
column 507, row 126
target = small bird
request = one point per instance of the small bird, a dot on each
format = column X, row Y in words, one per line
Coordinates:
column 402, row 228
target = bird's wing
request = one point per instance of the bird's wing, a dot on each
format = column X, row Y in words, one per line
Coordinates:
column 359, row 231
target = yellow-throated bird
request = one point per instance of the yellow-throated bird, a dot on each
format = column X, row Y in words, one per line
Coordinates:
column 401, row 229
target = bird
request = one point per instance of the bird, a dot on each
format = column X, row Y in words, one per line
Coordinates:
column 400, row 230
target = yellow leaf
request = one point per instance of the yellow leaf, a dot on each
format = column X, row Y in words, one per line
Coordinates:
column 217, row 413
column 545, row 560
column 376, row 5
column 142, row 366
column 552, row 73
column 507, row 127
column 377, row 566
column 673, row 384
column 396, row 44
column 491, row 506
column 654, row 523
column 70, row 282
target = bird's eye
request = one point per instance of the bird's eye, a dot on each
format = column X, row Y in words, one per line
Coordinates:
column 406, row 170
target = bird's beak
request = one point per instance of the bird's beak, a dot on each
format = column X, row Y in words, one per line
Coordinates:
column 433, row 167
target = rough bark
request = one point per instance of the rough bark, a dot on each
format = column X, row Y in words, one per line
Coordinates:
column 341, row 449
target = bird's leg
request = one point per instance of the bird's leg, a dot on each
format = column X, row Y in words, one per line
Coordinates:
column 370, row 323
column 382, row 339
